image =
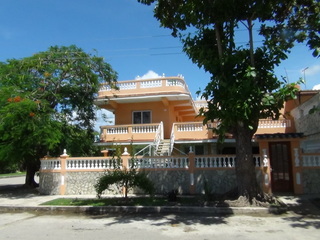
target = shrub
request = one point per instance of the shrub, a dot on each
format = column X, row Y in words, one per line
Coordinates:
column 126, row 178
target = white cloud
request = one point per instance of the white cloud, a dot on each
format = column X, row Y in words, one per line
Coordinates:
column 200, row 98
column 104, row 117
column 148, row 75
column 316, row 87
column 311, row 71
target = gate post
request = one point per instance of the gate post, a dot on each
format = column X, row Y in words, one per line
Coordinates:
column 191, row 169
column 63, row 159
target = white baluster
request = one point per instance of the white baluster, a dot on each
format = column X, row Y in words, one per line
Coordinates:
column 214, row 159
column 201, row 162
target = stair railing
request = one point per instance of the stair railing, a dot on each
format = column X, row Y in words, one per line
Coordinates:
column 150, row 148
column 159, row 136
column 153, row 148
column 172, row 138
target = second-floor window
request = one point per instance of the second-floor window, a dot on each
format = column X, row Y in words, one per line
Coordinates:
column 141, row 117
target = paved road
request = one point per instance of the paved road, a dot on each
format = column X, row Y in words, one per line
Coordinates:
column 14, row 180
column 29, row 226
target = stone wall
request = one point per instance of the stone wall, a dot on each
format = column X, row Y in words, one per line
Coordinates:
column 166, row 181
column 82, row 182
column 49, row 183
column 218, row 181
column 311, row 181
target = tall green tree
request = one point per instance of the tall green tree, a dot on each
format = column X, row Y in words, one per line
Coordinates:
column 243, row 86
column 46, row 105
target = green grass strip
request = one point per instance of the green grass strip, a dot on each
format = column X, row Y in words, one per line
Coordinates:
column 16, row 174
column 107, row 202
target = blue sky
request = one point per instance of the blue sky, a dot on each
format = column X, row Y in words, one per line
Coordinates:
column 124, row 32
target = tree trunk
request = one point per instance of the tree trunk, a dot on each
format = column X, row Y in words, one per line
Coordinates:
column 32, row 168
column 245, row 167
column 126, row 190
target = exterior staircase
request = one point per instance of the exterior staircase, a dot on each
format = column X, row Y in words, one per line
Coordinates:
column 164, row 147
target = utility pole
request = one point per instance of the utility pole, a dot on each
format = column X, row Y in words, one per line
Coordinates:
column 304, row 76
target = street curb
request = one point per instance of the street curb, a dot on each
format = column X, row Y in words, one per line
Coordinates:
column 91, row 210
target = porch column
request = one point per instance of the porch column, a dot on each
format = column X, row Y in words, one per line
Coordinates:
column 265, row 167
column 296, row 166
column 191, row 170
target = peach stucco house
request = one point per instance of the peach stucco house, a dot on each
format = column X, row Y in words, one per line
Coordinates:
column 161, row 112
column 156, row 120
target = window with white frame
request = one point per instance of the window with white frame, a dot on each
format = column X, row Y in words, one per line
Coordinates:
column 141, row 117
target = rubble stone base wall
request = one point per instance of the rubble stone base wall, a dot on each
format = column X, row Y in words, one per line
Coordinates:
column 166, row 181
column 82, row 183
column 311, row 181
column 219, row 181
column 214, row 181
column 49, row 183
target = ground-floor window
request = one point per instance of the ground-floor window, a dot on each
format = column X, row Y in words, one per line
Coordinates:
column 198, row 149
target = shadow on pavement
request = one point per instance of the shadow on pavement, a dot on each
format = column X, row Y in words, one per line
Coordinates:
column 305, row 211
column 303, row 205
column 18, row 191
column 173, row 219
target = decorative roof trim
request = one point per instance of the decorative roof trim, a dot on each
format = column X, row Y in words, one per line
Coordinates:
column 279, row 135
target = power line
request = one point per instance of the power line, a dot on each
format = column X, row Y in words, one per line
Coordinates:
column 150, row 36
column 141, row 49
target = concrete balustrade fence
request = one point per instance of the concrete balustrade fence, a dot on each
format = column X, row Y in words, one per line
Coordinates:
column 187, row 174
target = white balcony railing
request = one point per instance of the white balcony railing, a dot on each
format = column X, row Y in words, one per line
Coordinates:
column 125, row 132
column 182, row 130
column 148, row 83
column 266, row 123
column 311, row 160
column 189, row 127
column 151, row 84
column 201, row 104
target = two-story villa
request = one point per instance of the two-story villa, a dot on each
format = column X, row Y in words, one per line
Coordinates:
column 160, row 114
column 159, row 117
column 157, row 121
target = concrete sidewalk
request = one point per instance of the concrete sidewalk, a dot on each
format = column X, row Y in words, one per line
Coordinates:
column 14, row 198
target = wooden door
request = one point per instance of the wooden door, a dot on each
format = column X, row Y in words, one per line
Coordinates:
column 281, row 167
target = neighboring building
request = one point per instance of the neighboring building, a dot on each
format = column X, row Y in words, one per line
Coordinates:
column 307, row 120
column 157, row 121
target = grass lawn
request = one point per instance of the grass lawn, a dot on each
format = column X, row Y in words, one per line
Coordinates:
column 198, row 200
column 134, row 201
column 16, row 174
